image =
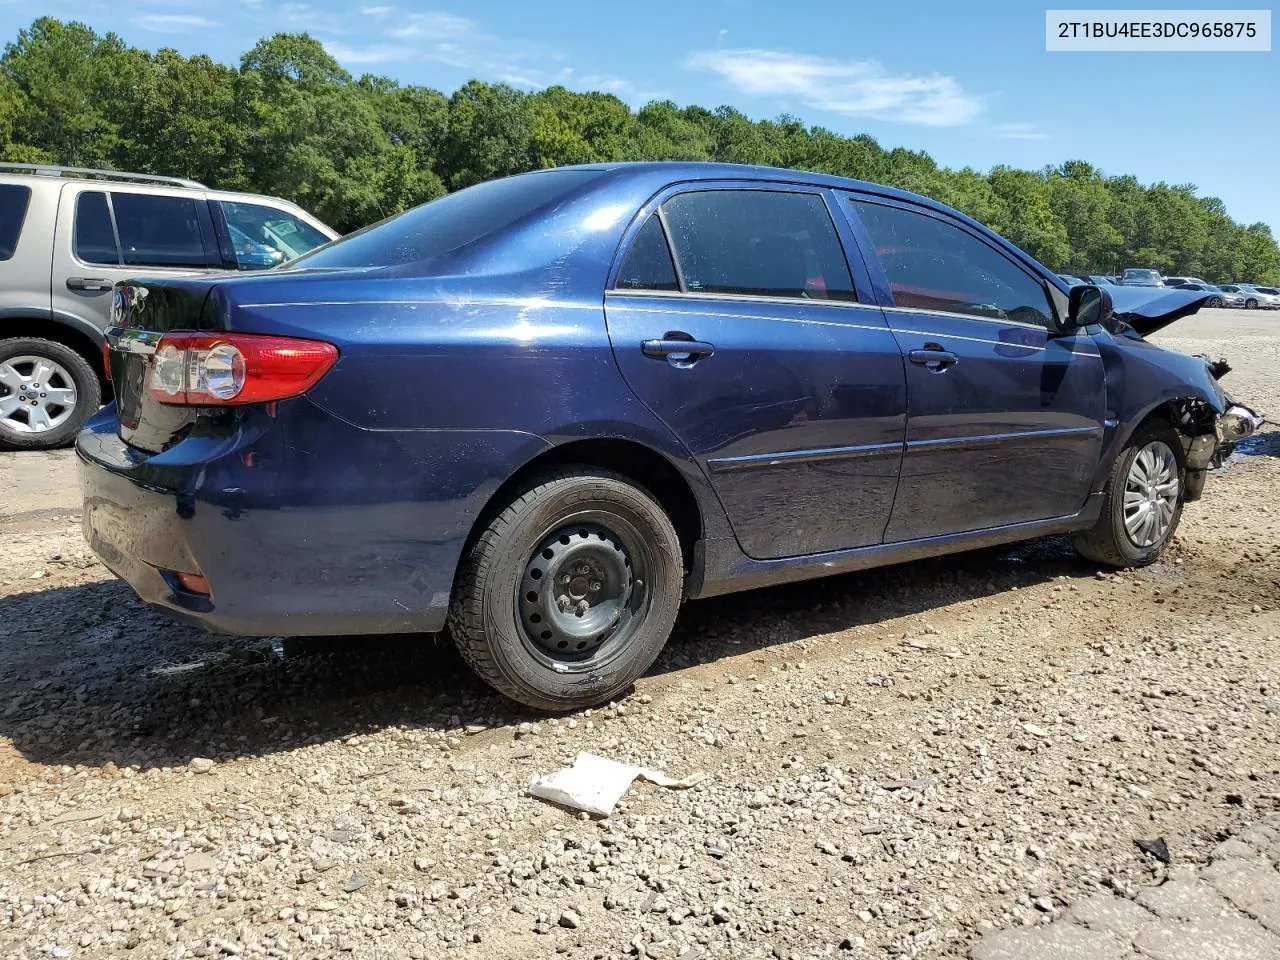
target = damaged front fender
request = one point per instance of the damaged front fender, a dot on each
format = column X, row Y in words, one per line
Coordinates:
column 1144, row 379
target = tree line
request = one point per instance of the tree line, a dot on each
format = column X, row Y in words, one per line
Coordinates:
column 290, row 122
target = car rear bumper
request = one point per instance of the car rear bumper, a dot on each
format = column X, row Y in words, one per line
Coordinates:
column 354, row 536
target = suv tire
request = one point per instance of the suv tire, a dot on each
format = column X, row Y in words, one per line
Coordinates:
column 570, row 592
column 1148, row 480
column 66, row 375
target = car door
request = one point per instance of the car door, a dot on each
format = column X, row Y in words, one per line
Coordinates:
column 106, row 233
column 1004, row 418
column 751, row 346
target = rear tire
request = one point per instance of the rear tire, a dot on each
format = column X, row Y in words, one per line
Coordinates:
column 570, row 593
column 1154, row 487
column 1251, row 304
column 30, row 418
column 1215, row 302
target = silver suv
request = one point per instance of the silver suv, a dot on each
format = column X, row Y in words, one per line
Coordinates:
column 67, row 235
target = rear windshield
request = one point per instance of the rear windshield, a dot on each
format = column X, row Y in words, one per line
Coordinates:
column 1141, row 275
column 446, row 224
column 13, row 210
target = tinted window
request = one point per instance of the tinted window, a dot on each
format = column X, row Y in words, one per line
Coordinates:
column 648, row 263
column 264, row 236
column 93, row 239
column 159, row 231
column 758, row 243
column 451, row 222
column 13, row 210
column 932, row 265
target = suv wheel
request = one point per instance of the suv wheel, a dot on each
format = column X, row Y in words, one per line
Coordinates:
column 571, row 591
column 1143, row 502
column 47, row 392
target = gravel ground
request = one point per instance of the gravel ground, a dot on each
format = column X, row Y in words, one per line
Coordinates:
column 898, row 760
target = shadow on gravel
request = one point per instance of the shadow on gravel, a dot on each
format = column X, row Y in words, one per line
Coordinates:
column 1259, row 445
column 89, row 675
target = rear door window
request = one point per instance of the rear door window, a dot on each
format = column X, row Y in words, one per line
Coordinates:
column 934, row 265
column 760, row 243
column 160, row 231
column 13, row 211
column 94, row 239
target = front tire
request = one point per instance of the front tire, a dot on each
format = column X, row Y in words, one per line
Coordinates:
column 570, row 593
column 47, row 392
column 1143, row 501
column 1215, row 302
column 1251, row 304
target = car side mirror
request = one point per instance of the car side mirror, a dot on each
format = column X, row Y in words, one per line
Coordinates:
column 1086, row 304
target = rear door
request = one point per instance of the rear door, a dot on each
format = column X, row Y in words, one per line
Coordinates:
column 1005, row 418
column 107, row 233
column 752, row 347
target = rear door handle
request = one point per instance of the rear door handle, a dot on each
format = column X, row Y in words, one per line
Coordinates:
column 677, row 352
column 88, row 283
column 933, row 357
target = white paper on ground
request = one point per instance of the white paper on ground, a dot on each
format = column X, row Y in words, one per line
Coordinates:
column 596, row 784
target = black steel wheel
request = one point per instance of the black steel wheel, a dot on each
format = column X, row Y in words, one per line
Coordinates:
column 570, row 593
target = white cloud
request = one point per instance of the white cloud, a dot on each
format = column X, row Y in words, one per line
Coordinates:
column 434, row 25
column 1020, row 131
column 377, row 12
column 855, row 88
column 174, row 22
column 356, row 55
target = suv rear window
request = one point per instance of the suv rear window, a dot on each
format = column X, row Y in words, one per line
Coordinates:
column 13, row 211
column 451, row 222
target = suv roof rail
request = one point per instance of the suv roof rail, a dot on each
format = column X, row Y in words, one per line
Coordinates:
column 56, row 170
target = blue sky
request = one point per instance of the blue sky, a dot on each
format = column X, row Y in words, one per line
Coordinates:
column 970, row 83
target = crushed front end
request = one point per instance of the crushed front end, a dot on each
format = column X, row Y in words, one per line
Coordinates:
column 1209, row 436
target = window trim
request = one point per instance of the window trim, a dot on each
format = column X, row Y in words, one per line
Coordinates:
column 853, row 197
column 654, row 204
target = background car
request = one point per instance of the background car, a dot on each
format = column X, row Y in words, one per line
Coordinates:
column 1071, row 280
column 1220, row 298
column 67, row 235
column 1179, row 281
column 546, row 409
column 1254, row 298
column 1101, row 280
column 1141, row 277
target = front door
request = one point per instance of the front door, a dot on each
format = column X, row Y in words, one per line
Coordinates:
column 752, row 348
column 1005, row 418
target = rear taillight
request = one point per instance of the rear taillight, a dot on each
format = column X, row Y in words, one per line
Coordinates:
column 203, row 370
column 106, row 359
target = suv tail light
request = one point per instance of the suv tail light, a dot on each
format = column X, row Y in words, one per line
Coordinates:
column 204, row 370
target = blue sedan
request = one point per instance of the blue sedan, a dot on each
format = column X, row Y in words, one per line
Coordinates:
column 545, row 410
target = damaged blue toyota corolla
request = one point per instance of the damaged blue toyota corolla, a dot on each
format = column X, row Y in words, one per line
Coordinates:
column 544, row 410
